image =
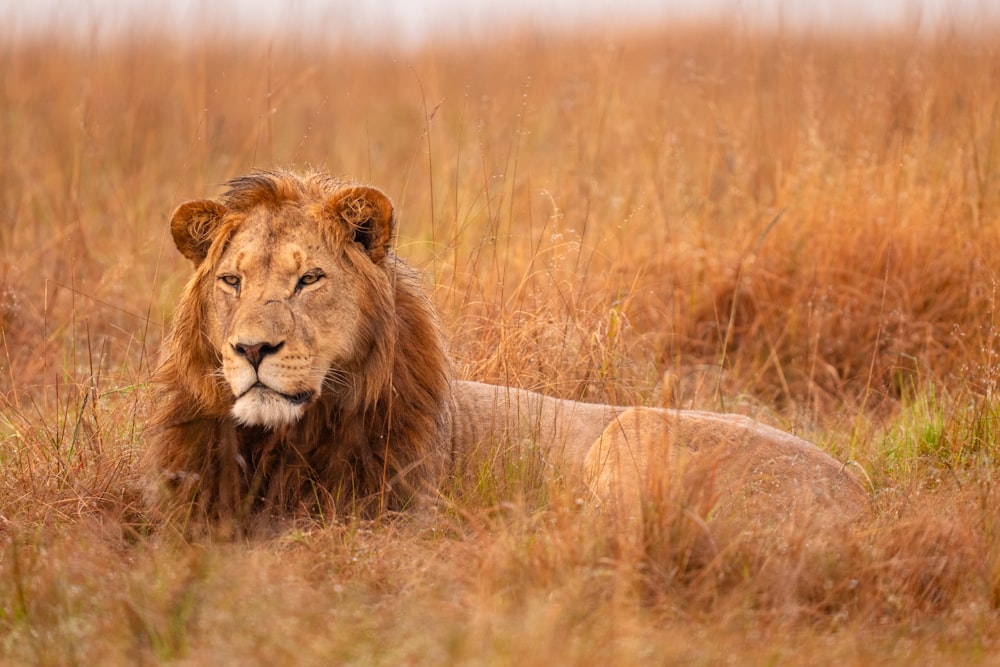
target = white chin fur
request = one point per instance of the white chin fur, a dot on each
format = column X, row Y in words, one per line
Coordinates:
column 267, row 409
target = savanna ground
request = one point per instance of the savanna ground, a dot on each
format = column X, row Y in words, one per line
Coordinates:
column 806, row 230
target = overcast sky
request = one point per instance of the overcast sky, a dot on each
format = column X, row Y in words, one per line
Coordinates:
column 412, row 21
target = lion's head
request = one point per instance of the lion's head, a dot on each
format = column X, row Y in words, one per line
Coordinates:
column 294, row 293
column 303, row 357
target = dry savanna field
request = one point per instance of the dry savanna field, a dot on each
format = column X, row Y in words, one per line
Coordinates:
column 801, row 229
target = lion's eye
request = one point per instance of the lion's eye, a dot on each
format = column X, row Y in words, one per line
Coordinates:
column 231, row 280
column 308, row 279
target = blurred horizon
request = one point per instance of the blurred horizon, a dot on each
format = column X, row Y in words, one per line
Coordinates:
column 412, row 24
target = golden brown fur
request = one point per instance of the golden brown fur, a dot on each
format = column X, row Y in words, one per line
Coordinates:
column 305, row 371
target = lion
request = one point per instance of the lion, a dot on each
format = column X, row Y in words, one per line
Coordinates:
column 304, row 370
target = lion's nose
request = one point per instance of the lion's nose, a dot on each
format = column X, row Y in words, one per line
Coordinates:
column 255, row 352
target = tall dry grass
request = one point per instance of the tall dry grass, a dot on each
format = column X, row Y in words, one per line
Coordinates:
column 801, row 229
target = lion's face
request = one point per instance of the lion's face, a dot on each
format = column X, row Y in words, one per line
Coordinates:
column 286, row 312
column 287, row 290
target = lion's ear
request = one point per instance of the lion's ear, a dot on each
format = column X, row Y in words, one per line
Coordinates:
column 370, row 216
column 193, row 227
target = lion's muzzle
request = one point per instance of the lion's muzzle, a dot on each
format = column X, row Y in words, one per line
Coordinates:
column 268, row 390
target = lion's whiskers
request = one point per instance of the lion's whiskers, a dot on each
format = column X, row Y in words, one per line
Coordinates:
column 338, row 380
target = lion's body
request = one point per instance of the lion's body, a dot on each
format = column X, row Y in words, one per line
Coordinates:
column 730, row 466
column 305, row 370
